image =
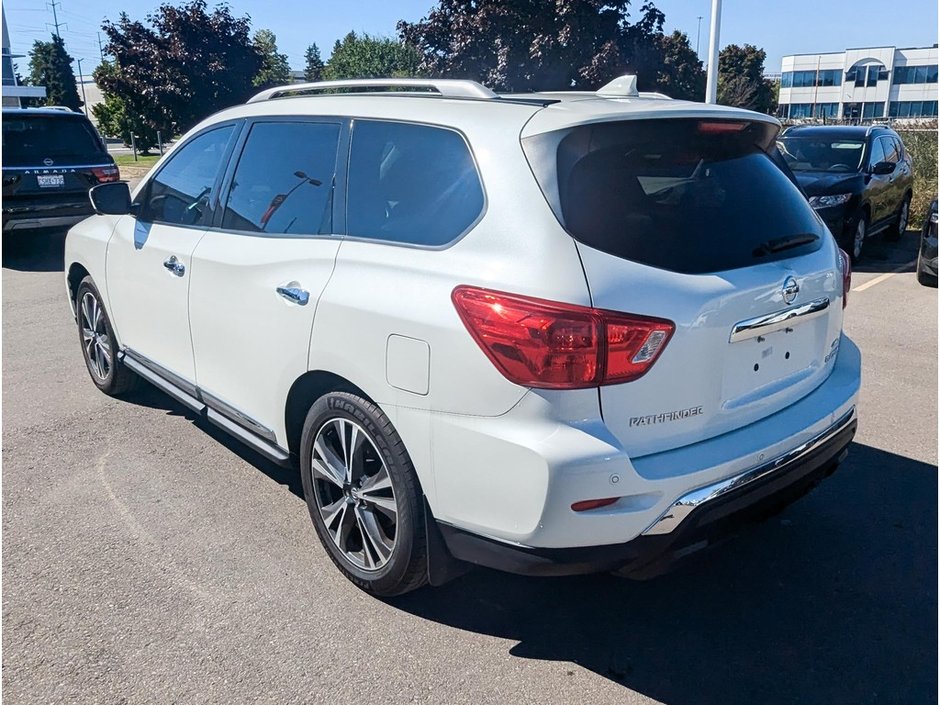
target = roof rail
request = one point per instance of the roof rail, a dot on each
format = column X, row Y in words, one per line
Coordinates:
column 446, row 88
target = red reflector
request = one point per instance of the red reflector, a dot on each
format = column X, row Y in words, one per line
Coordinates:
column 593, row 504
column 550, row 345
column 846, row 276
column 721, row 127
column 105, row 174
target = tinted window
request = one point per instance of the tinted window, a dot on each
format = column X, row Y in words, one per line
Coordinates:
column 180, row 193
column 28, row 140
column 283, row 183
column 890, row 150
column 877, row 153
column 411, row 183
column 682, row 195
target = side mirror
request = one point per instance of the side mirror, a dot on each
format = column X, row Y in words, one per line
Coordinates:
column 882, row 168
column 111, row 199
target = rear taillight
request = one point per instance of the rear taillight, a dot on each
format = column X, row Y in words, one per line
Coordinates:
column 104, row 174
column 846, row 276
column 550, row 345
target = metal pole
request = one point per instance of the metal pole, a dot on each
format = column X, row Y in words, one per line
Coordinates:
column 698, row 37
column 160, row 142
column 711, row 90
column 134, row 146
column 81, row 79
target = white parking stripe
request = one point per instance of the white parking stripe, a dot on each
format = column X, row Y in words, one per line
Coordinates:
column 884, row 277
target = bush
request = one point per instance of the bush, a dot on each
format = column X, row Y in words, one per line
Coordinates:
column 920, row 139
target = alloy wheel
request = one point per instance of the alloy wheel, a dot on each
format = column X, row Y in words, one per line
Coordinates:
column 95, row 340
column 859, row 241
column 354, row 494
column 903, row 217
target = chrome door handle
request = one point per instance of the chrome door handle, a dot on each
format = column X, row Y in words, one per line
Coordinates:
column 293, row 293
column 175, row 266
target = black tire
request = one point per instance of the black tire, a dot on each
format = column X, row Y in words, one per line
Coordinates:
column 923, row 277
column 406, row 566
column 112, row 378
column 849, row 241
column 894, row 232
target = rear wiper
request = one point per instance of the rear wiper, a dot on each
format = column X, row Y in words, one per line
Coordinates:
column 784, row 243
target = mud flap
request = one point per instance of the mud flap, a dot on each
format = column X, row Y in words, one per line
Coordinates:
column 442, row 566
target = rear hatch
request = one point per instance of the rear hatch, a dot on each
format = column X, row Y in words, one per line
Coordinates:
column 690, row 220
column 51, row 156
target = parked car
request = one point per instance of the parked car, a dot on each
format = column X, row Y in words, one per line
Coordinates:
column 51, row 157
column 551, row 334
column 927, row 255
column 859, row 179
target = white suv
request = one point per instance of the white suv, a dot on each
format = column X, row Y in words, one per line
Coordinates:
column 549, row 333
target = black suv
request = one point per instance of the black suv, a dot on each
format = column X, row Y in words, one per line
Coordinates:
column 858, row 179
column 51, row 157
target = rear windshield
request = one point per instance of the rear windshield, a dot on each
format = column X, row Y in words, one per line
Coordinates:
column 690, row 196
column 28, row 140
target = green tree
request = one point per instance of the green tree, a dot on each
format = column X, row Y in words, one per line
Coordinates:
column 525, row 45
column 680, row 73
column 180, row 65
column 51, row 66
column 275, row 71
column 364, row 56
column 120, row 117
column 741, row 81
column 313, row 68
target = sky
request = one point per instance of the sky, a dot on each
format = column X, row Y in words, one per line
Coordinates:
column 780, row 28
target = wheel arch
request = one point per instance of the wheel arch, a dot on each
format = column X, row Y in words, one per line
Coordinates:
column 77, row 272
column 305, row 390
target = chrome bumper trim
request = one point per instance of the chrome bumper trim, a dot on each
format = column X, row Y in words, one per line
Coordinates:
column 754, row 327
column 689, row 502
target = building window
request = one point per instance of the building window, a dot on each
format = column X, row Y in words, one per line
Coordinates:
column 808, row 79
column 915, row 74
column 913, row 108
column 826, row 110
column 800, row 110
column 872, row 110
column 867, row 75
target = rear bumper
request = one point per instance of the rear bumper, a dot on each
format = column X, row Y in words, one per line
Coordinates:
column 62, row 211
column 697, row 519
column 42, row 222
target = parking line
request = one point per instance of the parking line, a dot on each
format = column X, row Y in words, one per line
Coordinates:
column 883, row 277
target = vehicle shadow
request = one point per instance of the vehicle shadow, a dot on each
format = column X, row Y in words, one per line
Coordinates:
column 881, row 255
column 833, row 601
column 42, row 251
column 149, row 396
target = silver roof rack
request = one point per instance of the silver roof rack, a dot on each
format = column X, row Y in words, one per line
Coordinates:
column 446, row 88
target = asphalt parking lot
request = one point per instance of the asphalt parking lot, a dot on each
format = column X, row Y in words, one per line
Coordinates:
column 147, row 558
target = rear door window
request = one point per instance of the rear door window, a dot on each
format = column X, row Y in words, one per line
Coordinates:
column 31, row 139
column 412, row 184
column 689, row 196
column 283, row 184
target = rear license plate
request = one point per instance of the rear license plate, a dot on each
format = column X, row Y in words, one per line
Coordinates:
column 51, row 180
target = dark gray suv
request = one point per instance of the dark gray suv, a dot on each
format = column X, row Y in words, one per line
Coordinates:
column 51, row 157
column 858, row 179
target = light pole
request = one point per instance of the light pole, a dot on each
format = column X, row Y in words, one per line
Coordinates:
column 698, row 37
column 81, row 79
column 711, row 90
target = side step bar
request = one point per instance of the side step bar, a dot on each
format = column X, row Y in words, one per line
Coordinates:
column 269, row 450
